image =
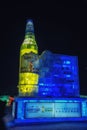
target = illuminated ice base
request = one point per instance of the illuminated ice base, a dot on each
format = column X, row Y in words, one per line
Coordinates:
column 34, row 110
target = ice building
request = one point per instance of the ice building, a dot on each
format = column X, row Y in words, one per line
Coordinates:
column 48, row 85
column 58, row 75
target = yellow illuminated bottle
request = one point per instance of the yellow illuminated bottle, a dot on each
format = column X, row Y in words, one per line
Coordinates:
column 29, row 63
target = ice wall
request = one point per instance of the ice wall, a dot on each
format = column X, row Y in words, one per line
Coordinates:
column 58, row 75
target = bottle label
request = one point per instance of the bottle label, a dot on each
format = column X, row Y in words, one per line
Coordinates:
column 29, row 63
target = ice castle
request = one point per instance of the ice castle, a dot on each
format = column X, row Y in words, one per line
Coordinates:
column 48, row 85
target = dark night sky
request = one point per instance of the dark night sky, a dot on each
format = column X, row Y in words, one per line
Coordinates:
column 59, row 27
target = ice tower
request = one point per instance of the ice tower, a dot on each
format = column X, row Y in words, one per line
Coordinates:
column 28, row 69
column 48, row 85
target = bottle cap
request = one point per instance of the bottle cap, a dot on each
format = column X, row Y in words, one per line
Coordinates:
column 29, row 26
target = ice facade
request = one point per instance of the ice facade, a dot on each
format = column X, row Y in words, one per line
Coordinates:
column 58, row 75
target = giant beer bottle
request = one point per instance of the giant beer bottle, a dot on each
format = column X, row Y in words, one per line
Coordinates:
column 29, row 63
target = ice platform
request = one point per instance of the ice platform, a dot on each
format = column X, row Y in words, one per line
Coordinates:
column 34, row 110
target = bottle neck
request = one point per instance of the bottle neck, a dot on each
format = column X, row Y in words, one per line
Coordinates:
column 30, row 35
column 29, row 32
column 29, row 40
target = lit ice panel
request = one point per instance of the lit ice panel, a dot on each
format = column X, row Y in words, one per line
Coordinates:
column 58, row 75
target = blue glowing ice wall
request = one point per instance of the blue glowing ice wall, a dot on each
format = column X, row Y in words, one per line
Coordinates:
column 58, row 75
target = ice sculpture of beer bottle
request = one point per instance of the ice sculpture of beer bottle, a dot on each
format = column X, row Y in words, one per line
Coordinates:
column 29, row 63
